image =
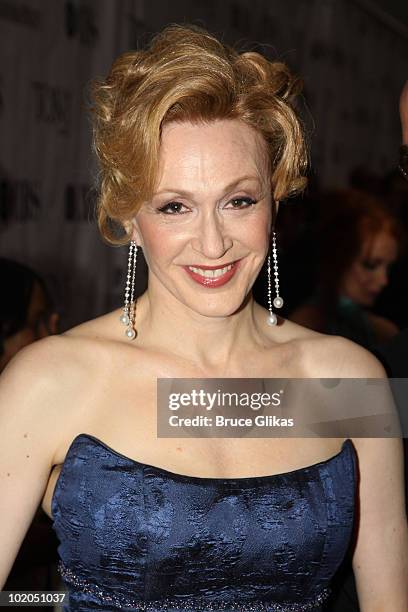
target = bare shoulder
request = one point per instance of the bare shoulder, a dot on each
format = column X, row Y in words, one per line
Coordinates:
column 382, row 526
column 327, row 356
column 35, row 388
column 35, row 382
column 104, row 327
column 319, row 355
column 43, row 388
column 289, row 330
column 37, row 366
column 42, row 391
column 54, row 359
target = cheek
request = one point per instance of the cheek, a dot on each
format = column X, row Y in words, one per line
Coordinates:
column 253, row 230
column 361, row 275
column 159, row 243
column 351, row 277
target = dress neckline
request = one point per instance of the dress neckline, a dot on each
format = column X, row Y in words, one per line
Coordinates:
column 347, row 444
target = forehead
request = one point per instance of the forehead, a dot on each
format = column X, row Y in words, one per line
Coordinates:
column 205, row 152
column 382, row 245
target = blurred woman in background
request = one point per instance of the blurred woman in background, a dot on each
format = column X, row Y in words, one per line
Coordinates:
column 357, row 241
column 27, row 311
column 27, row 314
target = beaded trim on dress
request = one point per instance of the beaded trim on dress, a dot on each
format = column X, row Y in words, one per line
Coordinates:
column 192, row 604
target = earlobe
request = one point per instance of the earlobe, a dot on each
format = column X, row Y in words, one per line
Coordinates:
column 135, row 237
column 132, row 231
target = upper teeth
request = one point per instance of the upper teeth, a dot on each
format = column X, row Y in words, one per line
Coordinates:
column 211, row 273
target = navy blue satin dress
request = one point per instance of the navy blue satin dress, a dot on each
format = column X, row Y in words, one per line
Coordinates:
column 138, row 537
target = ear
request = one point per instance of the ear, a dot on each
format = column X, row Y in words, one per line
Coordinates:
column 133, row 231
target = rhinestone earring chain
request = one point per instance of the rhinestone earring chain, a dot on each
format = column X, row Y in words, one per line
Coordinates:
column 129, row 310
column 278, row 301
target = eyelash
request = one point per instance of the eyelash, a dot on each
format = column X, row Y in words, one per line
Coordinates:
column 162, row 209
column 369, row 265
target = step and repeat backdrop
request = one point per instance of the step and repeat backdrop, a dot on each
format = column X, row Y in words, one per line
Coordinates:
column 353, row 60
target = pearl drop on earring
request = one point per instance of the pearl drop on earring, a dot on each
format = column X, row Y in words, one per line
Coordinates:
column 124, row 319
column 272, row 320
column 130, row 333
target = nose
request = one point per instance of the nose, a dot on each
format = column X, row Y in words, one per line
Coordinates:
column 382, row 279
column 211, row 240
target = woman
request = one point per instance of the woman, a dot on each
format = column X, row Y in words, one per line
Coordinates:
column 26, row 311
column 197, row 145
column 358, row 239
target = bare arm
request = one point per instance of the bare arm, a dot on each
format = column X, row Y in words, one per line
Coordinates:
column 28, row 429
column 380, row 560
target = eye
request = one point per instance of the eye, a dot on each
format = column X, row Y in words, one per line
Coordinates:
column 174, row 208
column 369, row 264
column 249, row 202
column 171, row 206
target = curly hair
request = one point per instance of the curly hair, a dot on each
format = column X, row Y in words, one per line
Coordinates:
column 187, row 74
column 349, row 219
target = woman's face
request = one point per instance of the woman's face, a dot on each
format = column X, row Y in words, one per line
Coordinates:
column 368, row 274
column 211, row 207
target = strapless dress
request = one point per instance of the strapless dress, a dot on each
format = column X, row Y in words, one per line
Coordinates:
column 134, row 536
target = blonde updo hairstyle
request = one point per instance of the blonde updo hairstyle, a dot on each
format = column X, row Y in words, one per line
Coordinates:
column 186, row 74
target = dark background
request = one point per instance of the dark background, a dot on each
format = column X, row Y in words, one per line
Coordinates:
column 352, row 55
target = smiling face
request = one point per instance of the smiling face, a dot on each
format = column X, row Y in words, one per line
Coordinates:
column 211, row 207
column 368, row 275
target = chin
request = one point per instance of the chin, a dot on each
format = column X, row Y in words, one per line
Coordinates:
column 216, row 307
column 366, row 302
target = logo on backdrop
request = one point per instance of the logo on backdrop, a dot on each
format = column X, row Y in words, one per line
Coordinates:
column 19, row 201
column 52, row 105
column 80, row 23
column 20, row 13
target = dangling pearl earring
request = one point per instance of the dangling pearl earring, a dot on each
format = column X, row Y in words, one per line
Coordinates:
column 278, row 301
column 129, row 309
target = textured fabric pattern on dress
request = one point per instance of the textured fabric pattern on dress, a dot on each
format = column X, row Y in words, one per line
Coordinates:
column 142, row 534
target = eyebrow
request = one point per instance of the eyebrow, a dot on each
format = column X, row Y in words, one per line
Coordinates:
column 228, row 187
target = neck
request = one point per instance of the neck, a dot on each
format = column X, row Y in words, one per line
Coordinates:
column 164, row 323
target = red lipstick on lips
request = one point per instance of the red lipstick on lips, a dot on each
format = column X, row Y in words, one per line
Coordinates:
column 213, row 282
